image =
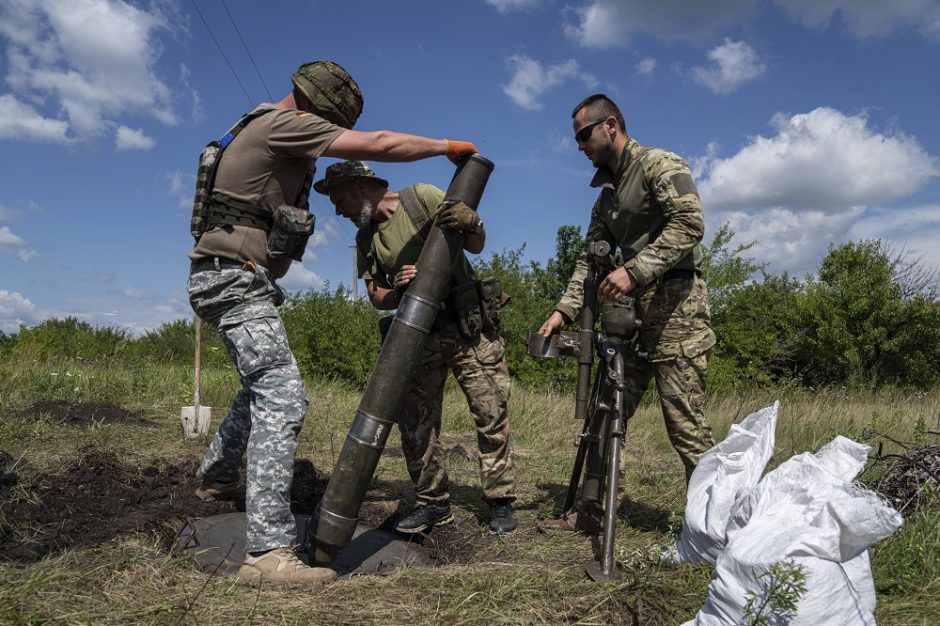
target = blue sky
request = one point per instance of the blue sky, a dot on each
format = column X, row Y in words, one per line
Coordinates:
column 807, row 123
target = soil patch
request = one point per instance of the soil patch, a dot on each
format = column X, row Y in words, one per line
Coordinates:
column 93, row 499
column 98, row 497
column 81, row 413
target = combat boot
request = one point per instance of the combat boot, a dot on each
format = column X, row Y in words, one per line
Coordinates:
column 501, row 519
column 424, row 517
column 212, row 491
column 281, row 566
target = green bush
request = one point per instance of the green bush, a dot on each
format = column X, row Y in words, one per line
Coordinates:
column 333, row 337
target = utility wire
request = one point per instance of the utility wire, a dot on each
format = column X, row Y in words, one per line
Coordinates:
column 245, row 46
column 234, row 73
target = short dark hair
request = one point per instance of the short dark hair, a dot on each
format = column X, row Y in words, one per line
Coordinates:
column 600, row 107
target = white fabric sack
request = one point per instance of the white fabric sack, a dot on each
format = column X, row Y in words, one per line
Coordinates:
column 723, row 473
column 810, row 512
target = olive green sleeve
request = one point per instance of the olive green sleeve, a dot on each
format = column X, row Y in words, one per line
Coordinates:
column 671, row 181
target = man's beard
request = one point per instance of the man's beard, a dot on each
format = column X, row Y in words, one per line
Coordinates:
column 365, row 215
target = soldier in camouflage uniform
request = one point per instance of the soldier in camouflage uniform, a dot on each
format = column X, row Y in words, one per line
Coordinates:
column 648, row 207
column 232, row 284
column 393, row 228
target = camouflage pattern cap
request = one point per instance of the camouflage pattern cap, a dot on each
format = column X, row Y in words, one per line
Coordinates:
column 331, row 90
column 343, row 172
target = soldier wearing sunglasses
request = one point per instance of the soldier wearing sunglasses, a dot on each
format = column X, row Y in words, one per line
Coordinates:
column 649, row 208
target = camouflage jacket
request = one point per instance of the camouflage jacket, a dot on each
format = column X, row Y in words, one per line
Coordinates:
column 650, row 209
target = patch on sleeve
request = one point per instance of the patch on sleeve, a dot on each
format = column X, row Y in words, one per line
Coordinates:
column 683, row 183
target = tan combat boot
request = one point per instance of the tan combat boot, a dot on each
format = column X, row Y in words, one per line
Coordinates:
column 210, row 491
column 281, row 566
column 574, row 520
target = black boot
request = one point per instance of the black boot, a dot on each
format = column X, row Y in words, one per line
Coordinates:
column 501, row 519
column 424, row 517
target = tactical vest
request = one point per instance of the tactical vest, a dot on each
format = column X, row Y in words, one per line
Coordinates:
column 212, row 209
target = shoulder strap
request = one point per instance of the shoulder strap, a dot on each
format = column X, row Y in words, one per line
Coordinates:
column 227, row 139
column 415, row 210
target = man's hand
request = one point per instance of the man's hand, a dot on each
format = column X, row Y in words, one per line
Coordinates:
column 458, row 149
column 554, row 323
column 458, row 216
column 404, row 276
column 616, row 284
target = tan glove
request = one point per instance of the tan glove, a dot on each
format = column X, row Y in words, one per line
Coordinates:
column 458, row 216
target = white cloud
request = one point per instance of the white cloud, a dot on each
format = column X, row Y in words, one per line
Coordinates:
column 27, row 255
column 92, row 59
column 16, row 310
column 10, row 240
column 530, row 79
column 821, row 160
column 646, row 66
column 182, row 186
column 21, row 121
column 609, row 23
column 914, row 229
column 507, row 6
column 867, row 18
column 299, row 278
column 733, row 64
column 132, row 139
column 134, row 294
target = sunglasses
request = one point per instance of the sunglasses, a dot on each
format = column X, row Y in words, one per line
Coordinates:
column 585, row 133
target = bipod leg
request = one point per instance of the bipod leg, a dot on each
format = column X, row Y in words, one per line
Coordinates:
column 587, row 448
column 605, row 569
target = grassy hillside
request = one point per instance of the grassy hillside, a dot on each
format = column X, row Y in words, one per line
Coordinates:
column 96, row 479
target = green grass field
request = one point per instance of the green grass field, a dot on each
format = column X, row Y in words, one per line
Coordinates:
column 97, row 479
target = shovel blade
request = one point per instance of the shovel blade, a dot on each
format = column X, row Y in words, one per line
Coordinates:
column 195, row 423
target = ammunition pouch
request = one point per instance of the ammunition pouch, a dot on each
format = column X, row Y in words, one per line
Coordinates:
column 463, row 302
column 291, row 228
column 492, row 300
column 476, row 306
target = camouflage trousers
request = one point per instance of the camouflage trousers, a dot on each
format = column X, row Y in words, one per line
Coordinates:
column 479, row 365
column 675, row 339
column 267, row 413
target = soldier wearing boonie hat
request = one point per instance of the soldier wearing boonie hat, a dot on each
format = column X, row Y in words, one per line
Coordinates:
column 393, row 226
column 264, row 164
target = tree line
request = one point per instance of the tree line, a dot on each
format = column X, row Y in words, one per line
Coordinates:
column 868, row 318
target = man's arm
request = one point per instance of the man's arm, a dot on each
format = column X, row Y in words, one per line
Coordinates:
column 381, row 294
column 391, row 146
column 671, row 181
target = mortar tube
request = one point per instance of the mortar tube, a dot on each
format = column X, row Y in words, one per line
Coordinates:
column 337, row 513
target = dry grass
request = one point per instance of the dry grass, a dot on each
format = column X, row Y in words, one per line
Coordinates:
column 526, row 578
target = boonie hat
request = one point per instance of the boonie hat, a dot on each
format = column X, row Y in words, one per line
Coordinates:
column 331, row 90
column 343, row 172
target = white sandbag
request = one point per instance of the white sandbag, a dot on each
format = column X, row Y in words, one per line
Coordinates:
column 723, row 473
column 807, row 511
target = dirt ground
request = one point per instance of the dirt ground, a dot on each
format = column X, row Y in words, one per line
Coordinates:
column 81, row 413
column 99, row 495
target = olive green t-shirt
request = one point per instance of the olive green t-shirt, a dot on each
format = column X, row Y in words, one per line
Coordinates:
column 265, row 166
column 396, row 241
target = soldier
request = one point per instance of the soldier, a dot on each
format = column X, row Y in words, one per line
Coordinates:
column 649, row 207
column 246, row 235
column 393, row 226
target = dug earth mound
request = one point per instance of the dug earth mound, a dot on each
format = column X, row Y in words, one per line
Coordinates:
column 100, row 495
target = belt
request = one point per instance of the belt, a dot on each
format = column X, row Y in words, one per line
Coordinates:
column 206, row 264
column 679, row 274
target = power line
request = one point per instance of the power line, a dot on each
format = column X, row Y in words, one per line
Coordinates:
column 234, row 73
column 245, row 46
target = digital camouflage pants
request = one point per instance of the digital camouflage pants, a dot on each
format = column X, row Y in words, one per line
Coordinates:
column 267, row 413
column 479, row 365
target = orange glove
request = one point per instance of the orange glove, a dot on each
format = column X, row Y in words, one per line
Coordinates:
column 458, row 149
